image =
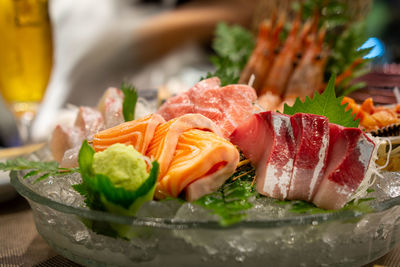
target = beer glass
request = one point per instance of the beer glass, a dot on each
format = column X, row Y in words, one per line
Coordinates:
column 25, row 58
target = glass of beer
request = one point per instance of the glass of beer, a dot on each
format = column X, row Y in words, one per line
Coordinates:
column 25, row 58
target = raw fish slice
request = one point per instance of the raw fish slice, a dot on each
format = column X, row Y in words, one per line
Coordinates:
column 227, row 106
column 110, row 106
column 253, row 137
column 137, row 133
column 349, row 155
column 90, row 121
column 176, row 107
column 267, row 140
column 183, row 103
column 312, row 134
column 70, row 158
column 202, row 162
column 275, row 170
column 64, row 138
column 163, row 144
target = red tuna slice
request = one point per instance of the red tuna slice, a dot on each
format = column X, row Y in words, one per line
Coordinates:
column 312, row 133
column 267, row 140
column 183, row 103
column 349, row 155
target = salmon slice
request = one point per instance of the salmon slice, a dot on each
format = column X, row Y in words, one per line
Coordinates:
column 163, row 144
column 202, row 162
column 137, row 133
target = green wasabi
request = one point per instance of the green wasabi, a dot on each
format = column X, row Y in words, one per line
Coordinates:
column 124, row 166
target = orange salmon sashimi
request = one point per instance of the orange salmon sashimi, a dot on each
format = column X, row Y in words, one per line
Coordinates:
column 163, row 144
column 202, row 162
column 137, row 133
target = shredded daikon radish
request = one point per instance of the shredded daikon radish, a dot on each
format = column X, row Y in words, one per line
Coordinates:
column 373, row 170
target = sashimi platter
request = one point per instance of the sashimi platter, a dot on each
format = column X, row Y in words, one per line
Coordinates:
column 215, row 178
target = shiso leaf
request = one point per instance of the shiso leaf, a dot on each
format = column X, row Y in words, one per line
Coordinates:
column 325, row 104
column 130, row 100
column 230, row 202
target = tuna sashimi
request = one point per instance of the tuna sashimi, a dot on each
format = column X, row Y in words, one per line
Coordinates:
column 110, row 106
column 312, row 133
column 349, row 155
column 90, row 121
column 163, row 145
column 184, row 103
column 137, row 133
column 267, row 140
column 202, row 162
column 227, row 106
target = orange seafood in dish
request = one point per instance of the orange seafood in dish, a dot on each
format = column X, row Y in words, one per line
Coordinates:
column 137, row 133
column 193, row 155
column 164, row 142
column 201, row 163
column 373, row 117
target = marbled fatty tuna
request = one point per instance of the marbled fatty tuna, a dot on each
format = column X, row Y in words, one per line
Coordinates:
column 312, row 133
column 349, row 155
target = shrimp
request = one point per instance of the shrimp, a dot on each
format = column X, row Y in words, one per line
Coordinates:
column 262, row 55
column 265, row 63
column 308, row 75
column 261, row 45
column 282, row 66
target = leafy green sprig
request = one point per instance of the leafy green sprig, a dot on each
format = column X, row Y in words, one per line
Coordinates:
column 233, row 46
column 129, row 103
column 37, row 168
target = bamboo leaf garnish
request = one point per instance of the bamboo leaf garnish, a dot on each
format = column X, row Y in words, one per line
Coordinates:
column 130, row 100
column 37, row 168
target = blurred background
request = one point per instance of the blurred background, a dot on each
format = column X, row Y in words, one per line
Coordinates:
column 158, row 44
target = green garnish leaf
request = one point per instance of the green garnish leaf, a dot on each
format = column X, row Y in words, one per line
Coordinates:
column 130, row 100
column 230, row 202
column 303, row 207
column 233, row 46
column 325, row 104
column 44, row 169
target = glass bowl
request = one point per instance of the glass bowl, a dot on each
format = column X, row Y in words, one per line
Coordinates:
column 342, row 238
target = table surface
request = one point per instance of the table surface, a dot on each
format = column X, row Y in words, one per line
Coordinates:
column 21, row 245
